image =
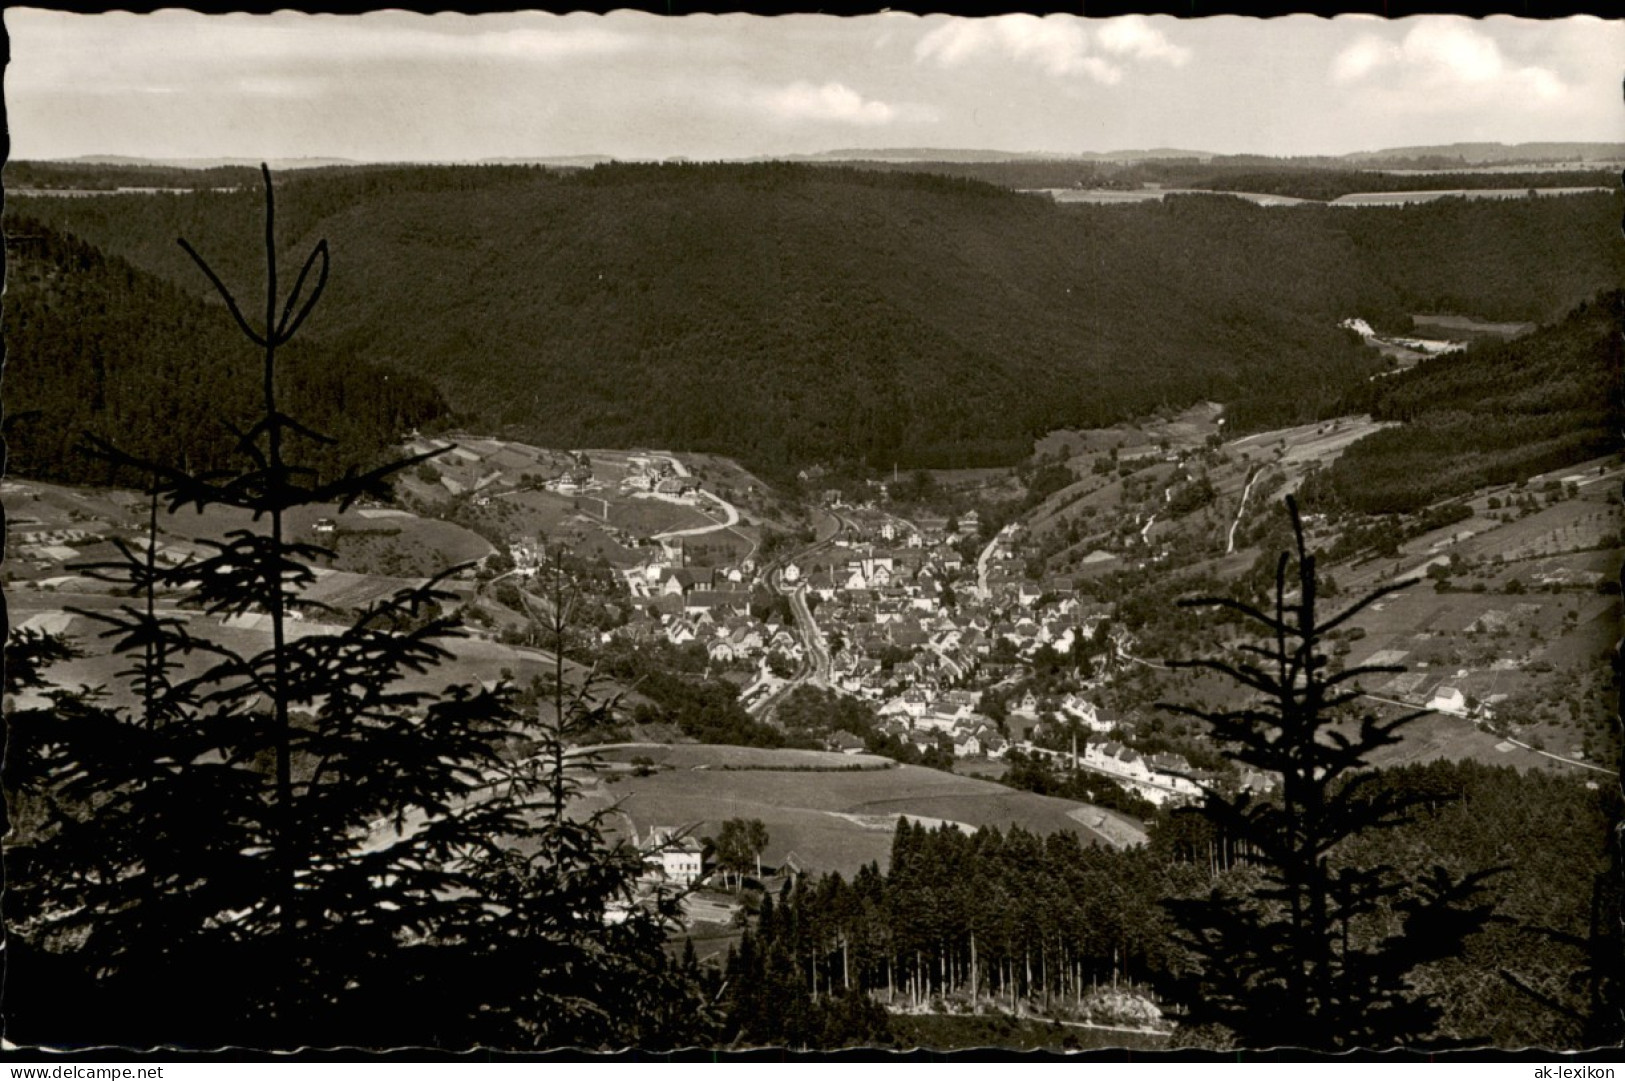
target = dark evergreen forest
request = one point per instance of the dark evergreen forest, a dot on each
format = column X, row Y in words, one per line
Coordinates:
column 786, row 314
column 1323, row 180
column 95, row 346
column 1040, row 924
column 1495, row 414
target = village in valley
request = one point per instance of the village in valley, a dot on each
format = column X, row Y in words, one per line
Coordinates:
column 953, row 647
column 954, row 641
column 819, row 560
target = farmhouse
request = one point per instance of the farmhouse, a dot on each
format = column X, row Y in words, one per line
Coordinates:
column 1448, row 700
column 677, row 858
column 845, row 742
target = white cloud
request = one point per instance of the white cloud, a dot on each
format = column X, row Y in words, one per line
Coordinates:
column 1455, row 51
column 1057, row 45
column 831, row 102
column 1361, row 57
column 1438, row 58
column 1133, row 35
column 1101, row 71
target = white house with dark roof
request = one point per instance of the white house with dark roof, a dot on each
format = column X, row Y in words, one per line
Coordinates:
column 676, row 857
column 1448, row 700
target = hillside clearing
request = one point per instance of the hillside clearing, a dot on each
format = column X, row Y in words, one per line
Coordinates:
column 826, row 820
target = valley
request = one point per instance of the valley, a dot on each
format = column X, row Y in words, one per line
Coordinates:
column 950, row 639
column 860, row 595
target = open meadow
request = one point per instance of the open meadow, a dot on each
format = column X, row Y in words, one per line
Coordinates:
column 1439, row 736
column 825, row 811
column 472, row 659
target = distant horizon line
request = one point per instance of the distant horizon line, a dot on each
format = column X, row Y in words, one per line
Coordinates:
column 962, row 155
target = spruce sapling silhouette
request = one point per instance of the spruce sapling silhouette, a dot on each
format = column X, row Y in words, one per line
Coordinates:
column 301, row 844
column 1310, row 951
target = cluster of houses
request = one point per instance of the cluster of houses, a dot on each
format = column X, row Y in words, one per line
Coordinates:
column 733, row 637
column 901, row 616
column 909, row 628
column 708, row 605
column 880, row 603
column 577, row 478
column 657, row 475
column 1158, row 778
column 923, row 718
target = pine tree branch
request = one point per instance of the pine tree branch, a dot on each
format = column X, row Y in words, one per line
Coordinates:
column 284, row 331
column 225, row 294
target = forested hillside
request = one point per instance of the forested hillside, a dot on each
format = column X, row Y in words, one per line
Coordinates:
column 1494, row 414
column 96, row 346
column 1322, row 180
column 1518, row 260
column 789, row 313
column 1014, row 920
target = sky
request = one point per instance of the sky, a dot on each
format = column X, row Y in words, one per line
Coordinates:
column 396, row 86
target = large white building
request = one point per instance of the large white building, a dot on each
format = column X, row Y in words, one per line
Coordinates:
column 680, row 859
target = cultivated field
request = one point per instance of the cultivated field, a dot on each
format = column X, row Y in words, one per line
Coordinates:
column 1466, row 326
column 1400, row 198
column 1307, row 444
column 1456, row 739
column 1110, row 197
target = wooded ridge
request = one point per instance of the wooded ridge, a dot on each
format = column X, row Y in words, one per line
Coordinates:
column 792, row 313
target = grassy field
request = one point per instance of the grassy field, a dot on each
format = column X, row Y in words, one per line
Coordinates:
column 31, row 505
column 577, row 521
column 969, row 478
column 987, row 769
column 581, row 522
column 705, row 756
column 647, row 515
column 711, row 942
column 602, row 520
column 1524, row 610
column 409, row 546
column 469, row 460
column 1569, row 526
column 538, row 510
column 829, row 821
column 472, row 659
column 345, row 590
column 1465, row 326
column 443, row 543
column 412, row 546
column 1308, row 443
column 1456, row 739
